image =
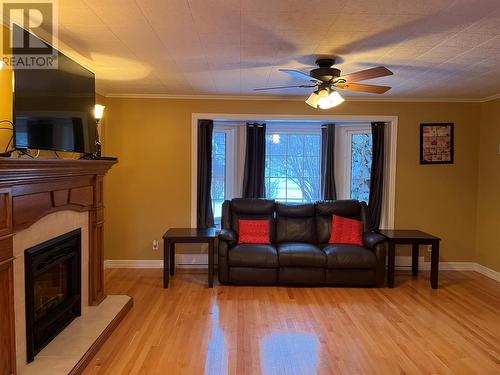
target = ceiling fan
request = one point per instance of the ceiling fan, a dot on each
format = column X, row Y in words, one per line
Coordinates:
column 328, row 80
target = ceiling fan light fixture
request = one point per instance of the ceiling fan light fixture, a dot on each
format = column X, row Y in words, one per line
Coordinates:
column 330, row 101
column 324, row 99
column 312, row 100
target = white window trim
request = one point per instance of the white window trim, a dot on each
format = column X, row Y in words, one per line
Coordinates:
column 389, row 196
column 343, row 147
column 235, row 157
column 293, row 128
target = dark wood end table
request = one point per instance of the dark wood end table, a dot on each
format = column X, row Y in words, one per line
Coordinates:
column 187, row 235
column 414, row 238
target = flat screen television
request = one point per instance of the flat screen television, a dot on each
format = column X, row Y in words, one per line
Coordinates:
column 54, row 108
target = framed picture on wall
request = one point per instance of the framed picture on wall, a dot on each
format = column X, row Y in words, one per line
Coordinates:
column 436, row 143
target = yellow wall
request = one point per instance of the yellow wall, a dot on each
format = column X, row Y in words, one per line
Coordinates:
column 150, row 189
column 488, row 202
column 5, row 104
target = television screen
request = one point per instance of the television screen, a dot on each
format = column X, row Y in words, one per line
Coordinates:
column 54, row 108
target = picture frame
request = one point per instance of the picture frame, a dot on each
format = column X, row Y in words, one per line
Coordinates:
column 437, row 143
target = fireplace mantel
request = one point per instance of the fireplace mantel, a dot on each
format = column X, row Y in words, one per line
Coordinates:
column 29, row 190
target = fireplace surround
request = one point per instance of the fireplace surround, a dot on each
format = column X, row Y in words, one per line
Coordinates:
column 30, row 191
column 52, row 289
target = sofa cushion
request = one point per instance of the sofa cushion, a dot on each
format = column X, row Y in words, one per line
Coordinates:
column 351, row 209
column 254, row 231
column 349, row 256
column 253, row 209
column 297, row 254
column 346, row 231
column 295, row 223
column 253, row 255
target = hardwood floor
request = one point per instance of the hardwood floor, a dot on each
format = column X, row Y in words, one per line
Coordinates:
column 411, row 329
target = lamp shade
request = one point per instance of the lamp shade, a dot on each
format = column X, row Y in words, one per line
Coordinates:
column 324, row 99
column 312, row 100
column 98, row 111
column 330, row 101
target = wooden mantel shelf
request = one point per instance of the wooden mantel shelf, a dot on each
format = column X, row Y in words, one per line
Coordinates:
column 29, row 190
column 15, row 171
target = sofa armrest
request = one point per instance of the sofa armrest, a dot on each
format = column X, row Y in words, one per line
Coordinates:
column 229, row 236
column 371, row 239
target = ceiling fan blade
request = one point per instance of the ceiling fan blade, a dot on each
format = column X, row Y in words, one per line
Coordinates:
column 299, row 74
column 282, row 87
column 363, row 75
column 372, row 89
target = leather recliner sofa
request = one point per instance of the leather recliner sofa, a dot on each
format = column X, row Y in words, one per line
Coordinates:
column 299, row 253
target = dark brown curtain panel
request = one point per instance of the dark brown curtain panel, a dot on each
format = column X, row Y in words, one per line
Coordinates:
column 204, row 214
column 328, row 190
column 377, row 173
column 255, row 162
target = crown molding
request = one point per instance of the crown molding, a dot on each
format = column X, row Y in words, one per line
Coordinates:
column 490, row 98
column 301, row 98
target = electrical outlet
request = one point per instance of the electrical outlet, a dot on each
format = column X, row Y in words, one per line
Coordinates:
column 155, row 245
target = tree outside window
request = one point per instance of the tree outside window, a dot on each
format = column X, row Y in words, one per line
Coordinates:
column 293, row 167
column 218, row 188
column 361, row 162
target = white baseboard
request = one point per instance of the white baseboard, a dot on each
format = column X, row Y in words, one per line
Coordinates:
column 404, row 263
column 200, row 261
column 192, row 261
column 488, row 272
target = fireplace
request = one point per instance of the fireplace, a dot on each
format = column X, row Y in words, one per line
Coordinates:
column 53, row 289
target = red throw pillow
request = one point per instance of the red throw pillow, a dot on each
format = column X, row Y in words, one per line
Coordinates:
column 254, row 231
column 346, row 231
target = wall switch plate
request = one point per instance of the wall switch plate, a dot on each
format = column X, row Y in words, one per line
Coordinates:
column 155, row 245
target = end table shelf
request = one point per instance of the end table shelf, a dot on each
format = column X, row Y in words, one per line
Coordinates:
column 187, row 235
column 414, row 238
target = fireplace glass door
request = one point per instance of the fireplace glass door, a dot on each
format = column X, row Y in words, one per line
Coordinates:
column 50, row 289
column 53, row 289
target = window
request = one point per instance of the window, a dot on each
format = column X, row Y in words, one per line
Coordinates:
column 353, row 168
column 226, row 166
column 361, row 162
column 293, row 165
column 218, row 188
column 293, row 162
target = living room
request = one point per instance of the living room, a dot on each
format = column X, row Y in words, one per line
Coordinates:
column 176, row 82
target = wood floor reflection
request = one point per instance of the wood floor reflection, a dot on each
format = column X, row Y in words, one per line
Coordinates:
column 411, row 329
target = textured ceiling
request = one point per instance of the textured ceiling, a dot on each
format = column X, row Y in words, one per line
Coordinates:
column 436, row 48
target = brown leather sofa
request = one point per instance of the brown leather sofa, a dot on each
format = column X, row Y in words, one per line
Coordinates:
column 299, row 253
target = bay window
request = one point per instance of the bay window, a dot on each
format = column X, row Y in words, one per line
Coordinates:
column 293, row 162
